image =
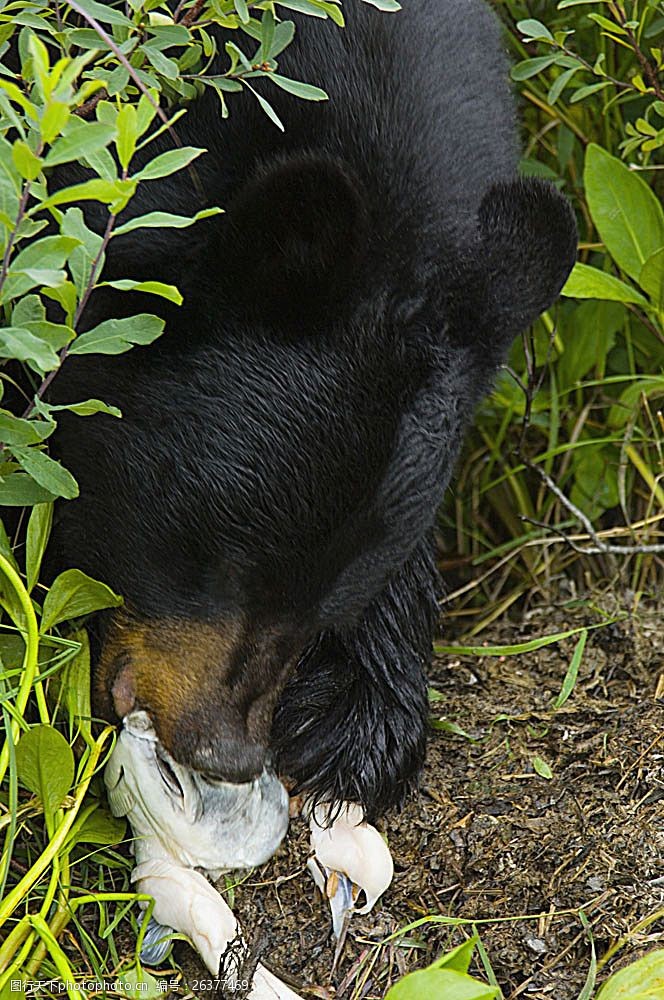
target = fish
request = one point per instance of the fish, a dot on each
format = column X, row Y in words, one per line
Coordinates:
column 189, row 828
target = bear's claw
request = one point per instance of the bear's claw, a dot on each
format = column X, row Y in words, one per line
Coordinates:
column 349, row 857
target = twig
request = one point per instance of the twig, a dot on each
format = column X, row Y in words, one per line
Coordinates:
column 86, row 109
column 192, row 14
column 121, row 57
column 23, row 204
column 79, row 310
column 649, row 71
column 600, row 547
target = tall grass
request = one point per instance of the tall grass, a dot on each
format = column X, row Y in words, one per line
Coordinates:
column 580, row 401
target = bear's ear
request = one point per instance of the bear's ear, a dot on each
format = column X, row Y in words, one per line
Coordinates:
column 525, row 248
column 296, row 235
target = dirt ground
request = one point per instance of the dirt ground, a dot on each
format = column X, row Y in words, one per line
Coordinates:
column 489, row 840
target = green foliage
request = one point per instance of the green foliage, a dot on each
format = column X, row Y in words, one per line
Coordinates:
column 90, row 84
column 580, row 402
column 96, row 83
column 446, row 979
column 643, row 980
column 45, row 765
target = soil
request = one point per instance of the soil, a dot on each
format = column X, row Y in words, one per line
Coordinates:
column 490, row 840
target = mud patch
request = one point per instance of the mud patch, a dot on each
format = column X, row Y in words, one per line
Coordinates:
column 489, row 840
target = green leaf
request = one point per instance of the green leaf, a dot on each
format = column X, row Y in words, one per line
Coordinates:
column 20, row 344
column 169, row 292
column 65, row 295
column 117, row 80
column 75, row 686
column 5, row 547
column 81, row 138
column 573, row 672
column 453, row 728
column 168, row 163
column 74, row 594
column 595, row 479
column 88, row 408
column 139, row 985
column 49, row 252
column 116, row 194
column 587, row 335
column 631, row 399
column 609, row 26
column 531, row 28
column 267, row 108
column 560, row 83
column 38, row 533
column 101, row 827
column 19, row 490
column 265, row 35
column 241, row 8
column 29, row 309
column 588, row 283
column 387, row 5
column 303, row 90
column 27, row 163
column 10, row 602
column 628, row 215
column 53, row 120
column 115, row 336
column 164, row 220
column 45, row 765
column 592, row 88
column 459, row 958
column 542, row 768
column 651, row 278
column 105, row 13
column 643, row 980
column 56, row 335
column 16, row 430
column 20, row 282
column 83, row 257
column 46, row 472
column 167, row 67
column 527, row 68
column 127, row 128
column 441, row 984
column 304, row 7
column 522, row 647
column 284, row 32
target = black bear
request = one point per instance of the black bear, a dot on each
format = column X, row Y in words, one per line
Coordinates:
column 266, row 503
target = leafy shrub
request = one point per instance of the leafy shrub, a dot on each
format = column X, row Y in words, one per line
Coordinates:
column 91, row 84
column 579, row 405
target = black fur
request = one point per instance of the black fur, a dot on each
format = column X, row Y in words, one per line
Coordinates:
column 285, row 446
column 359, row 696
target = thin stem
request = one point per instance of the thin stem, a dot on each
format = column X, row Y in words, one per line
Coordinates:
column 599, row 547
column 77, row 316
column 14, row 898
column 30, row 658
column 121, row 57
column 22, row 205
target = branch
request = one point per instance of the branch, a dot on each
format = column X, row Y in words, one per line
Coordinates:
column 599, row 547
column 121, row 57
column 94, row 271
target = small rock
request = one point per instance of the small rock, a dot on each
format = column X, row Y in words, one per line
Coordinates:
column 536, row 945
